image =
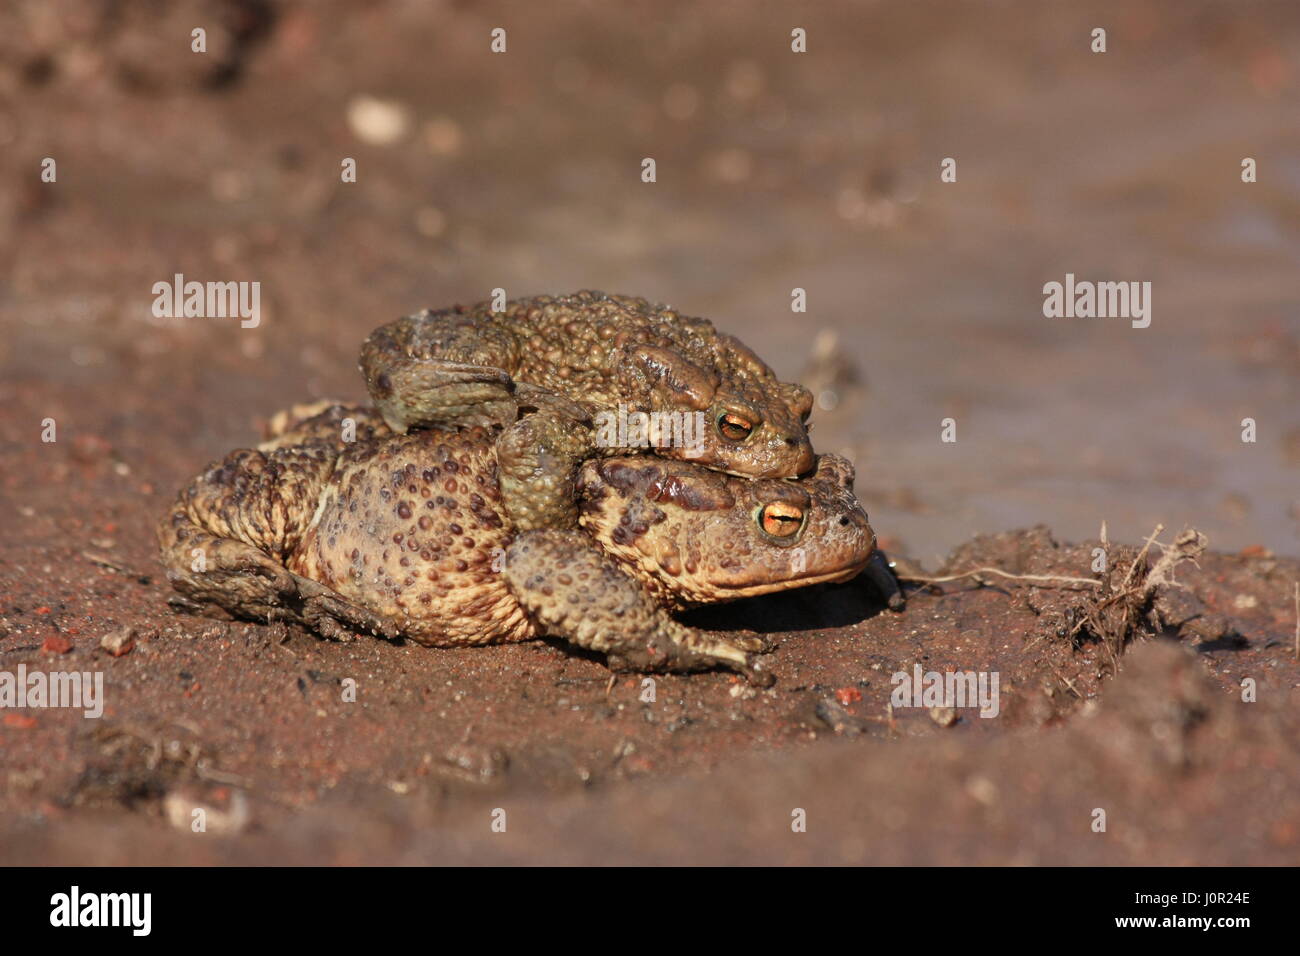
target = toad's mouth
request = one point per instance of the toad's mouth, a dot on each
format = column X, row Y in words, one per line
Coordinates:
column 742, row 589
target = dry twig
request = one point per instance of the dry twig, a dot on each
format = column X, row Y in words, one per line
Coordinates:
column 1050, row 578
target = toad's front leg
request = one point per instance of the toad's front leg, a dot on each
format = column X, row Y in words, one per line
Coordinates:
column 538, row 458
column 583, row 596
column 440, row 369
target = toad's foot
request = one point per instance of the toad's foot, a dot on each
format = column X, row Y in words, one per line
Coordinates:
column 415, row 393
column 332, row 616
column 440, row 369
column 755, row 644
column 579, row 594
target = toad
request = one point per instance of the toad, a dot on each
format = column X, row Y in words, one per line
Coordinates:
column 567, row 360
column 407, row 535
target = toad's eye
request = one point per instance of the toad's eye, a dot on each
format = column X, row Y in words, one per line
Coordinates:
column 780, row 520
column 734, row 428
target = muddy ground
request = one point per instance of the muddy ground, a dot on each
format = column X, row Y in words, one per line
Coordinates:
column 522, row 171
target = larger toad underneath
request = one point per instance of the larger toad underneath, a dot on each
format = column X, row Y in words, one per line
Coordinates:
column 407, row 535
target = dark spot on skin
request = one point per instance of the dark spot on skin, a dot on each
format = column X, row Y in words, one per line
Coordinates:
column 624, row 476
column 701, row 493
column 455, row 528
column 426, row 522
column 404, row 510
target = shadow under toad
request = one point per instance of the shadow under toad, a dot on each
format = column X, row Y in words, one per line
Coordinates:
column 802, row 609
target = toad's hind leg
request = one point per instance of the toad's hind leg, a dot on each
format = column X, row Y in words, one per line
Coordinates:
column 333, row 423
column 232, row 575
column 224, row 541
column 441, row 368
column 208, row 569
column 581, row 595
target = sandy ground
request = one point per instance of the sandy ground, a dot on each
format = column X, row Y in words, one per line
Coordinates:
column 775, row 171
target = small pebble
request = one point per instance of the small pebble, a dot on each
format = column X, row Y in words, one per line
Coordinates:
column 378, row 122
column 118, row 642
column 56, row 644
column 943, row 716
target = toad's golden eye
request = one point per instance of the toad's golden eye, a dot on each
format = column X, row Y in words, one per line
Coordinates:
column 780, row 520
column 734, row 428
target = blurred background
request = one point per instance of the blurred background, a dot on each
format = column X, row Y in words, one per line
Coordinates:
column 775, row 171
